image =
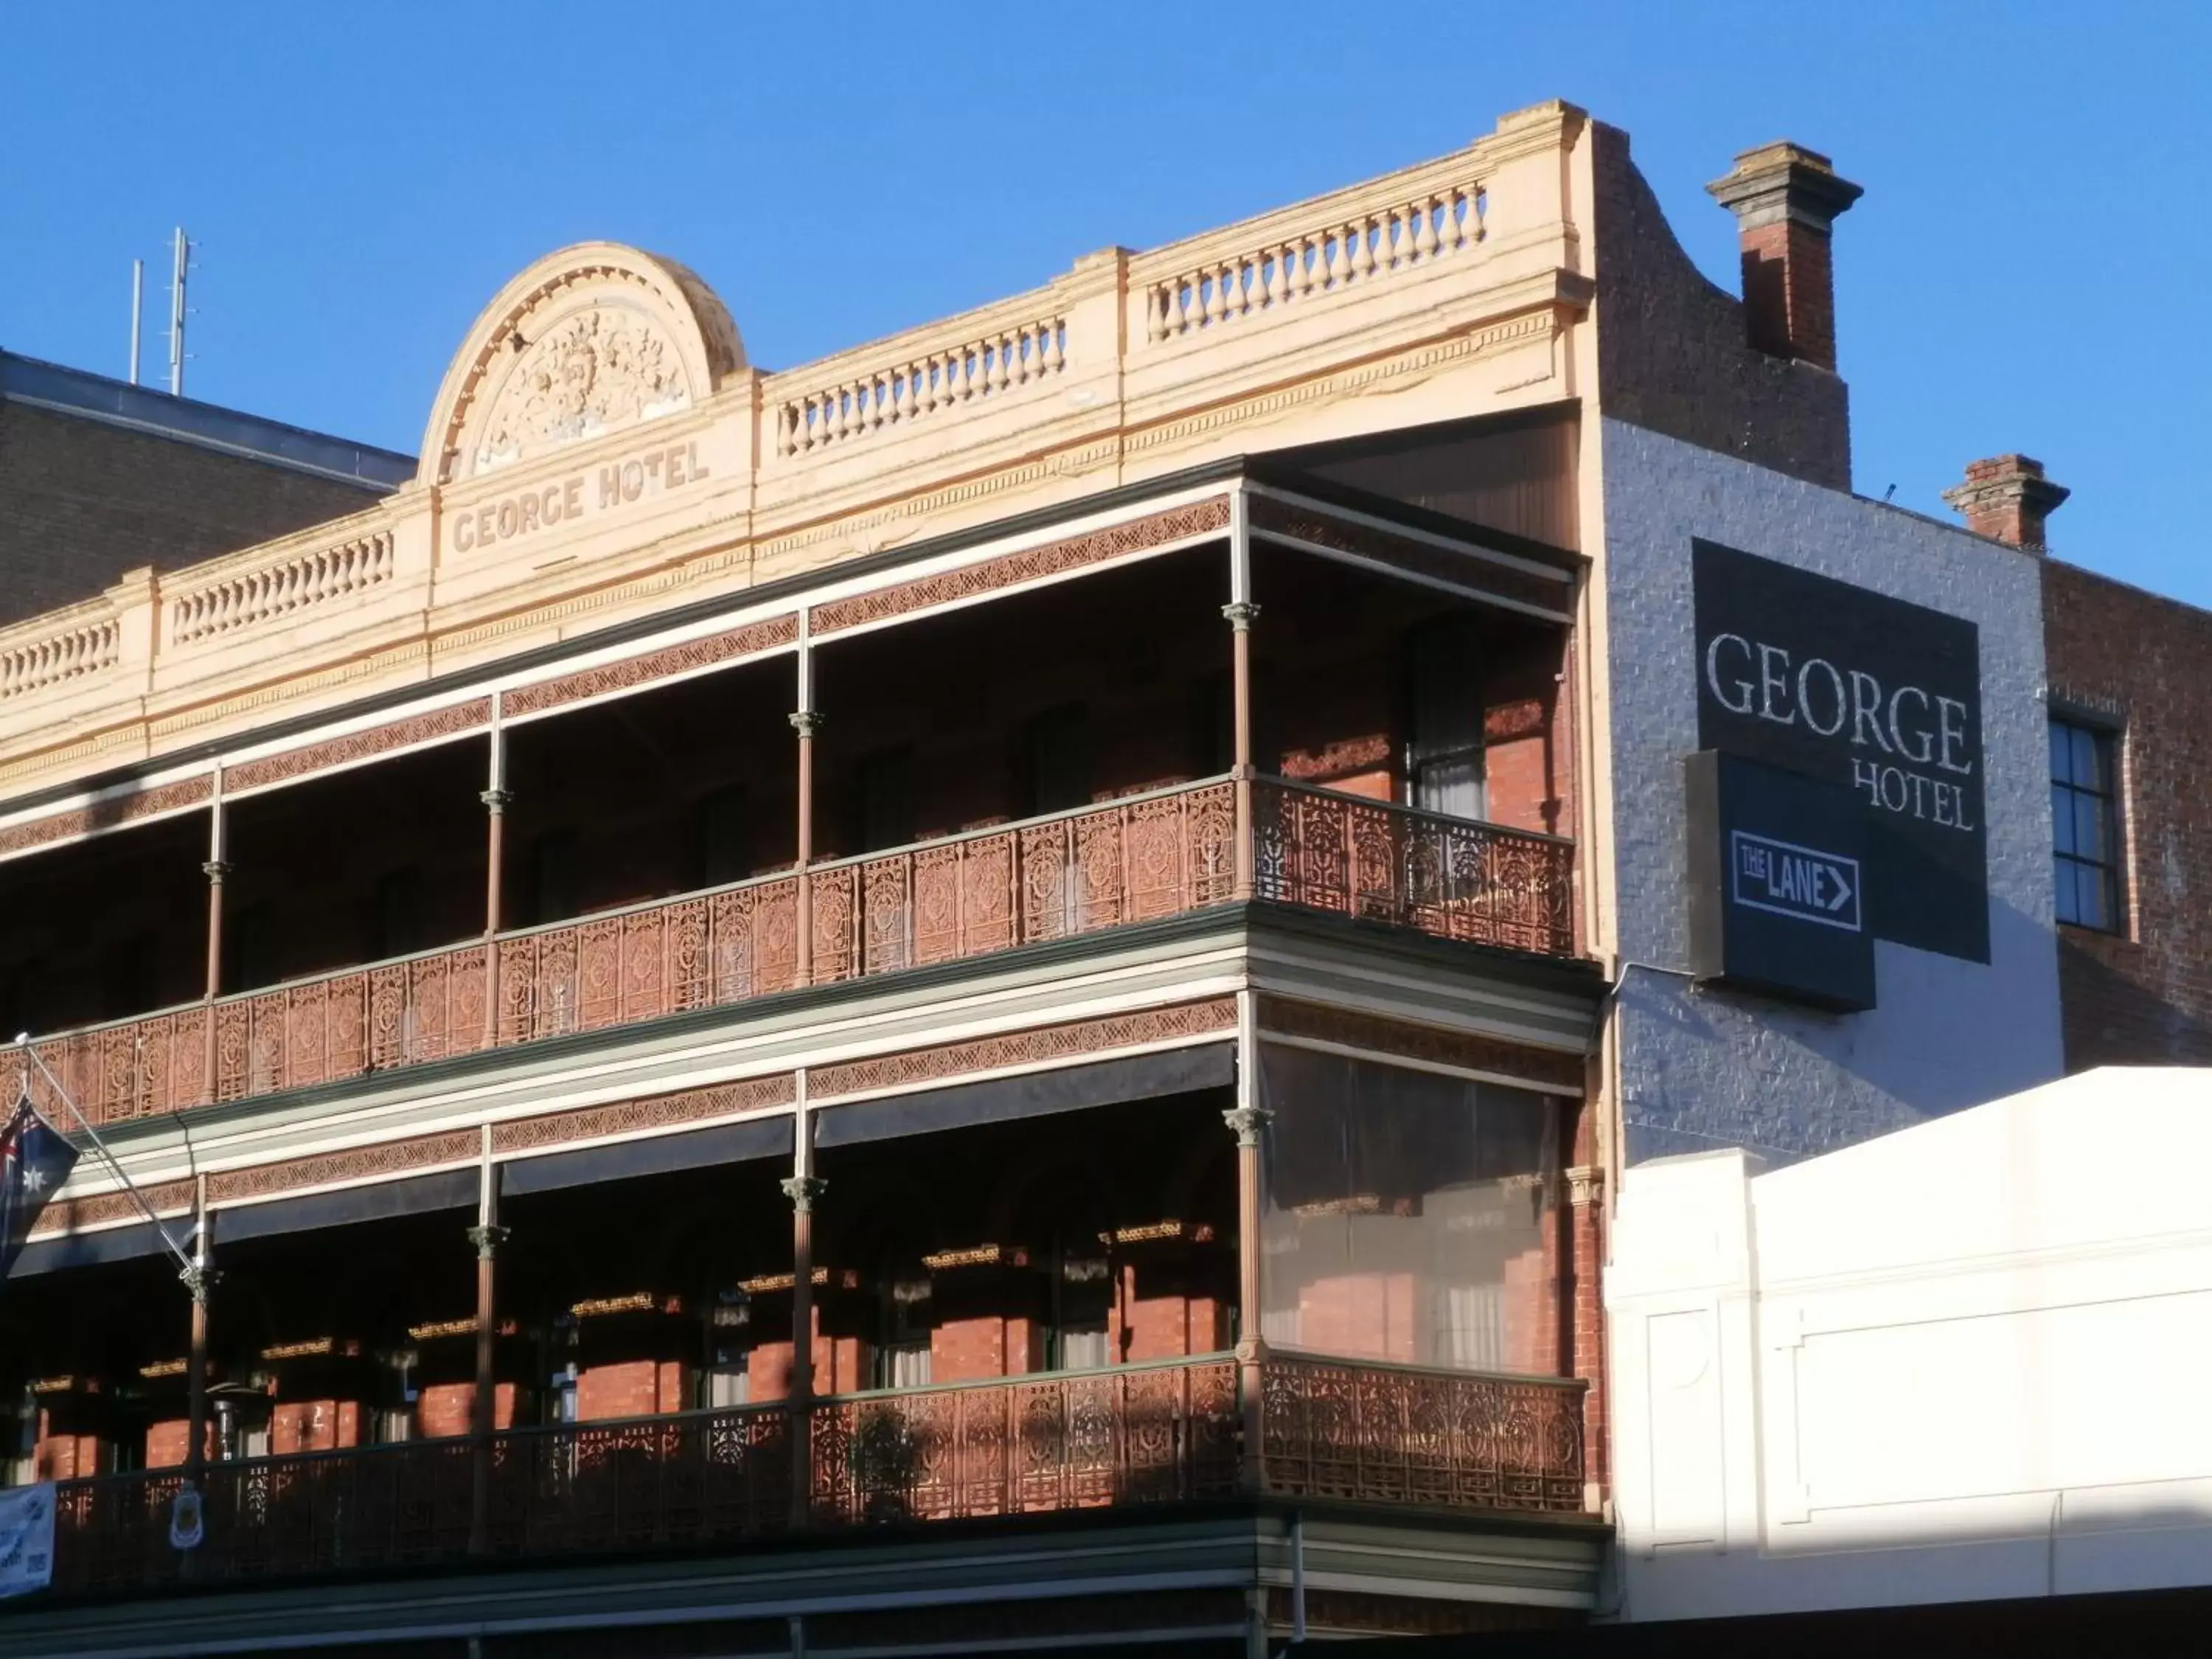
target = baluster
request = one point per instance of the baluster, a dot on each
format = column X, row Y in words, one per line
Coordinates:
column 1364, row 262
column 1278, row 278
column 1427, row 244
column 1008, row 346
column 1055, row 334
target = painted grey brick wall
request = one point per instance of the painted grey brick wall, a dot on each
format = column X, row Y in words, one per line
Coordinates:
column 1702, row 1069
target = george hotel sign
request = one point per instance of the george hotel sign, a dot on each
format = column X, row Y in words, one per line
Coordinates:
column 1877, row 696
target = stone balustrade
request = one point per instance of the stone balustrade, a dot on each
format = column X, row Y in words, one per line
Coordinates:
column 267, row 589
column 59, row 647
column 932, row 382
column 1345, row 247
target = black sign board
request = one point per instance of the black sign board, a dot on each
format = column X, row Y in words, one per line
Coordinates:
column 1881, row 698
column 1777, row 891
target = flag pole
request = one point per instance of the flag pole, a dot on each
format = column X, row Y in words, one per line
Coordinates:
column 189, row 1268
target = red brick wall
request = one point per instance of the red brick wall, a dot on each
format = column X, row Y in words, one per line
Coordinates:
column 444, row 1408
column 840, row 1362
column 1165, row 1324
column 66, row 1457
column 300, row 1426
column 2139, row 661
column 81, row 502
column 166, row 1441
column 1674, row 352
column 962, row 1350
column 632, row 1388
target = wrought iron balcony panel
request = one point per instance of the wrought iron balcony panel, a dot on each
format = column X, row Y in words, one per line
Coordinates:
column 1129, row 1436
column 1440, row 1439
column 1024, row 1445
column 1161, row 854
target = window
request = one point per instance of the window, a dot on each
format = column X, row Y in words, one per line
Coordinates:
column 555, row 867
column 2085, row 822
column 1444, row 757
column 1057, row 759
column 886, row 799
column 723, row 835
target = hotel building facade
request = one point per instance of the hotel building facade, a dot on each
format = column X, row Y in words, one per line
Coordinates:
column 993, row 991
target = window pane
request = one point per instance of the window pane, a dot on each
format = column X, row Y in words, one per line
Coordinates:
column 2062, row 817
column 2091, row 827
column 1453, row 786
column 2097, row 900
column 2088, row 759
column 2061, row 881
column 1407, row 1216
column 2062, row 753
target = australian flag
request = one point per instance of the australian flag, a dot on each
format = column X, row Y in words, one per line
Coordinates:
column 35, row 1158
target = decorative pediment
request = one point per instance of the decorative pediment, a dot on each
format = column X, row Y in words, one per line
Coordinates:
column 590, row 340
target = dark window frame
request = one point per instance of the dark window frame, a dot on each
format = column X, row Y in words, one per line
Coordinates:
column 2088, row 777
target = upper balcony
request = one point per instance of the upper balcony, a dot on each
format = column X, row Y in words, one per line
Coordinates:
column 1024, row 748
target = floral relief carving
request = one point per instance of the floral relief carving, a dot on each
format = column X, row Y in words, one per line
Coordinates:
column 357, row 746
column 1543, row 1068
column 1076, row 1040
column 654, row 1112
column 1030, row 565
column 105, row 814
column 593, row 371
column 726, row 646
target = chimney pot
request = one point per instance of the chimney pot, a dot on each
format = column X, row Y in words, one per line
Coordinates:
column 2006, row 498
column 1785, row 198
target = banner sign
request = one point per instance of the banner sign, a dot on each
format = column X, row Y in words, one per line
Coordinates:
column 1778, row 883
column 1870, row 694
column 26, row 1539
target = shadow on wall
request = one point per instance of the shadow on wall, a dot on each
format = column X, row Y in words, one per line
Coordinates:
column 2095, row 1627
column 1712, row 1067
column 2112, row 1020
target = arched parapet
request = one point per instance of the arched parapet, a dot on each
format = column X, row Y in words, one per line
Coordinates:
column 589, row 340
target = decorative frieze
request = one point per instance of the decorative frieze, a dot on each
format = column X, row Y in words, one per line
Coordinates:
column 668, row 1111
column 1043, row 1045
column 1030, row 565
column 731, row 644
column 79, row 1215
column 386, row 1161
column 106, row 814
column 417, row 729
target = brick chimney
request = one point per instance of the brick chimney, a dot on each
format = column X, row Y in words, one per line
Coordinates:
column 2008, row 498
column 1785, row 199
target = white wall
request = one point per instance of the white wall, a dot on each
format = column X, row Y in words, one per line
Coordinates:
column 1706, row 1069
column 1968, row 1359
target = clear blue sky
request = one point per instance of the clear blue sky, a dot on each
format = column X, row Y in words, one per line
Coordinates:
column 2026, row 270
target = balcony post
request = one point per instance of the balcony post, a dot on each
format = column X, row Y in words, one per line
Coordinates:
column 804, row 1190
column 805, row 720
column 1247, row 1119
column 484, row 1403
column 495, row 797
column 199, row 1277
column 214, row 868
column 1240, row 612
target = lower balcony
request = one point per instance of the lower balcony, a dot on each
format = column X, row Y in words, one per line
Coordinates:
column 1350, row 1430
